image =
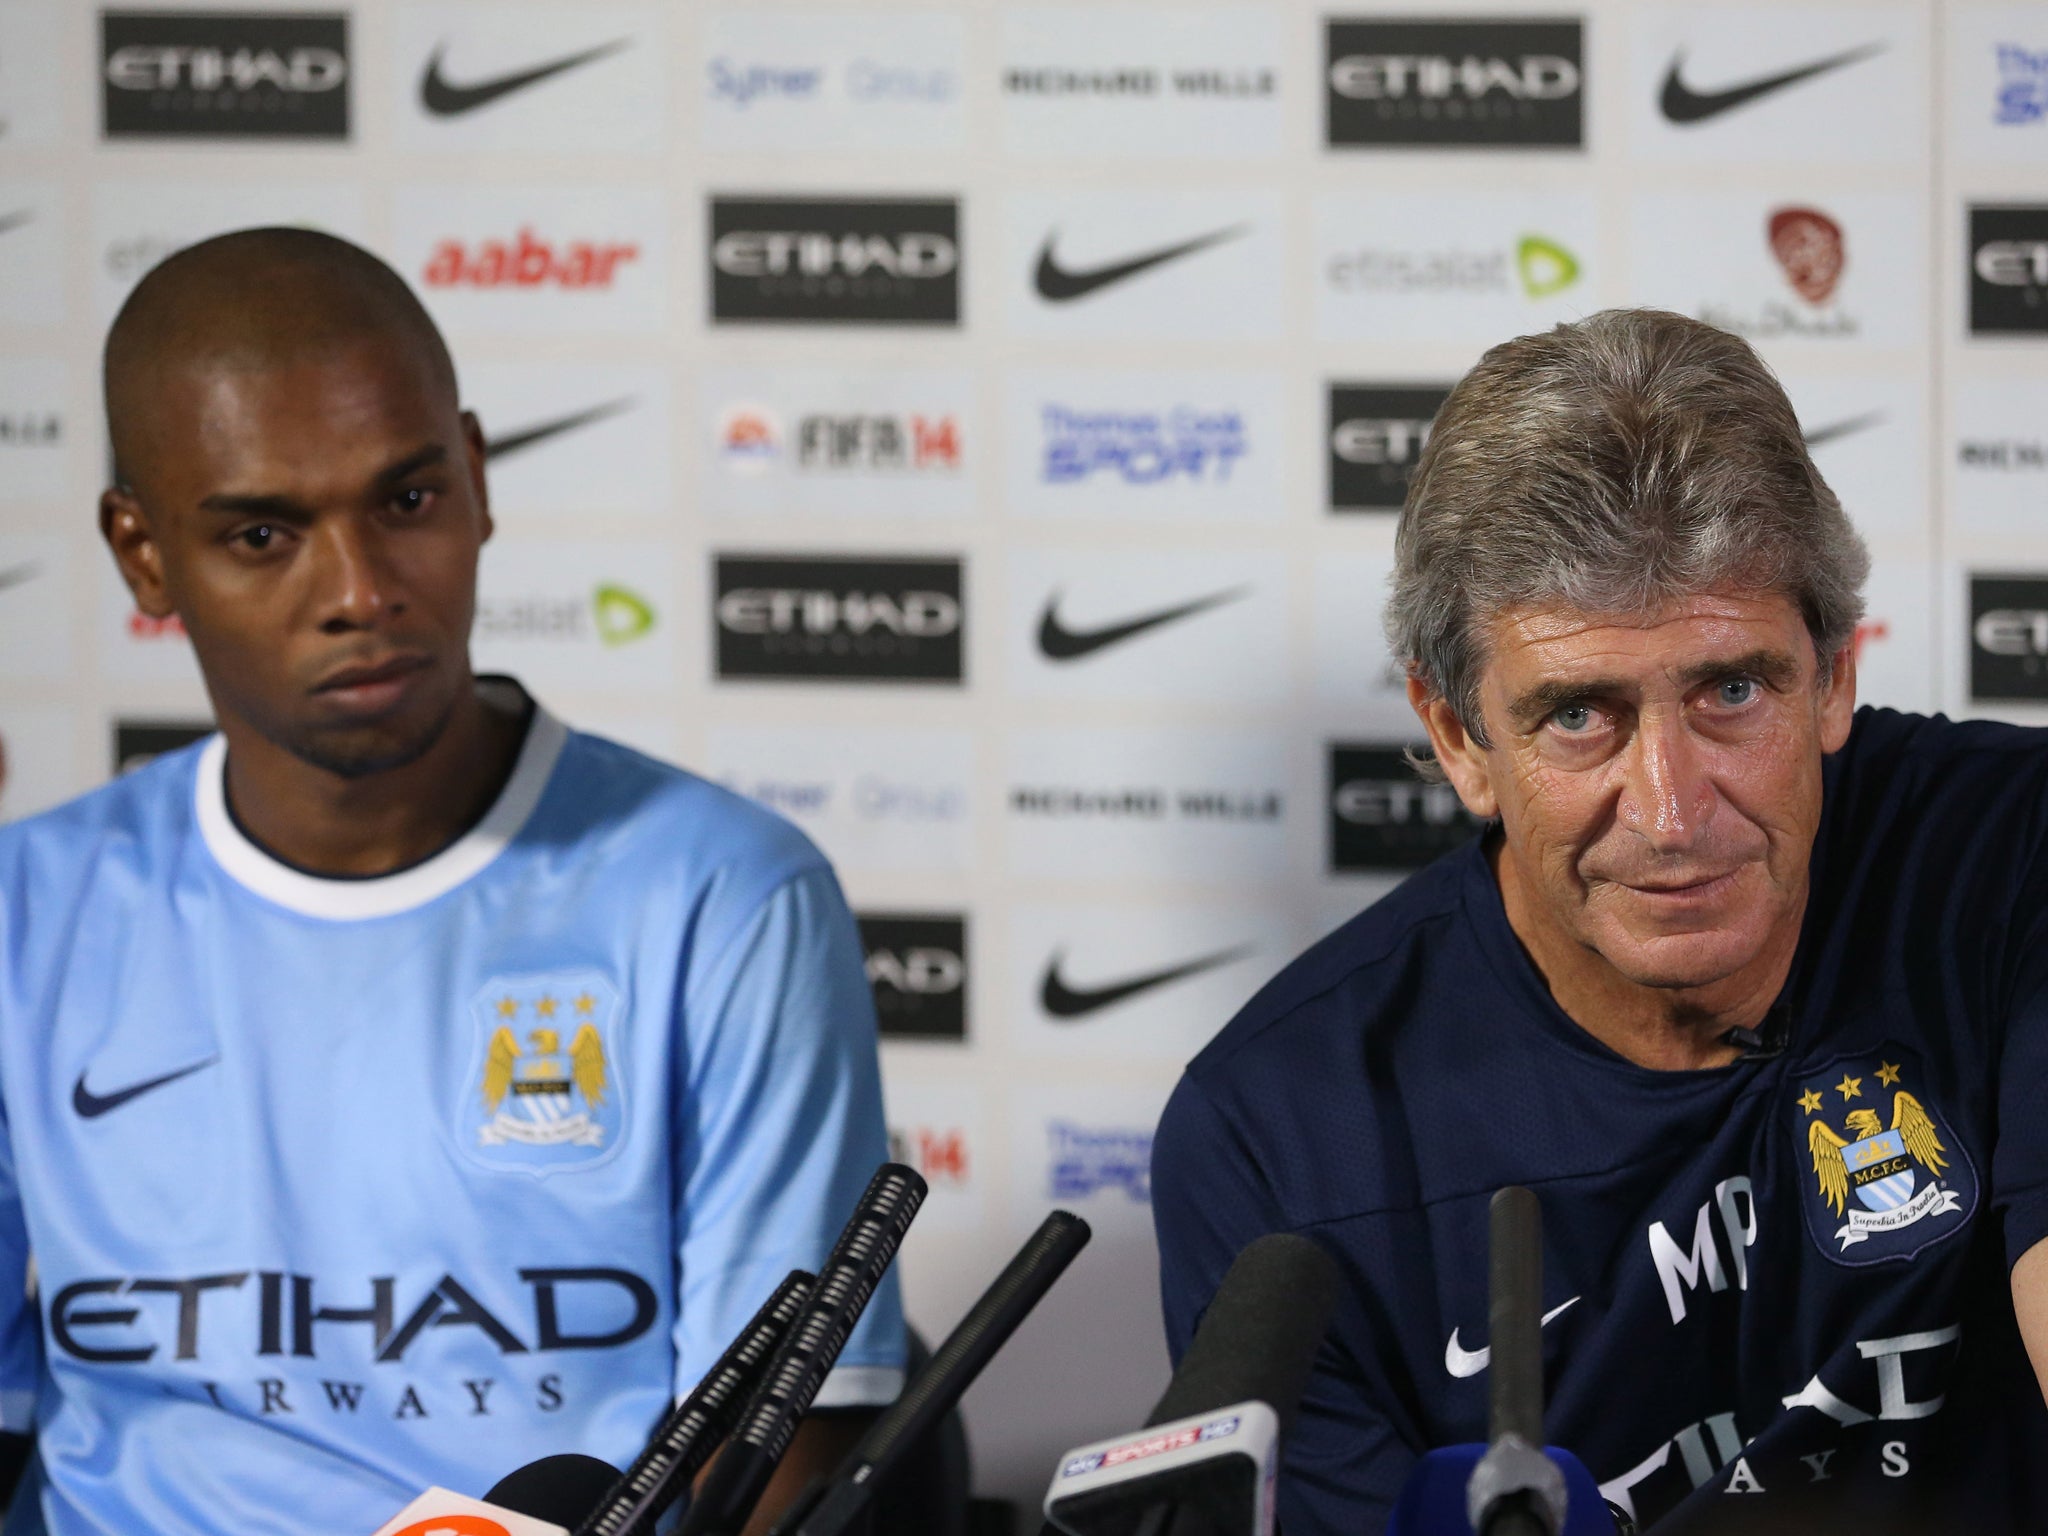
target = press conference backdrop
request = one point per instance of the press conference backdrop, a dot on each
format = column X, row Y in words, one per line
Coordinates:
column 976, row 432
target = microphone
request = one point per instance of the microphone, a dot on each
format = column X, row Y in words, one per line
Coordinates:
column 835, row 1507
column 557, row 1489
column 846, row 1280
column 1209, row 1453
column 438, row 1512
column 692, row 1430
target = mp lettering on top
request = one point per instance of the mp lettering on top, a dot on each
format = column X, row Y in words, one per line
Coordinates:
column 224, row 74
column 820, row 261
column 1420, row 84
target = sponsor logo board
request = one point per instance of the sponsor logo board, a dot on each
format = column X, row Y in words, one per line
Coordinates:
column 1146, row 264
column 1156, row 445
column 580, row 439
column 542, row 79
column 1146, row 805
column 940, row 1127
column 1384, row 817
column 828, row 82
column 1207, row 86
column 2008, row 639
column 38, row 751
column 835, row 260
column 1087, row 1149
column 830, row 442
column 917, row 967
column 535, row 260
column 35, row 395
column 31, row 92
column 1132, row 981
column 1455, row 83
column 1895, row 640
column 1848, row 267
column 1997, row 82
column 35, row 605
column 1377, row 432
column 138, row 743
column 32, row 252
column 873, row 797
column 838, row 618
column 137, row 649
column 1357, row 678
column 1115, row 624
column 1779, row 84
column 2008, row 256
column 137, row 223
column 1998, row 456
column 1429, row 267
column 224, row 75
column 574, row 615
column 1867, row 433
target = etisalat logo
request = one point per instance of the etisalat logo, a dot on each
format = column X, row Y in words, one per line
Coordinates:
column 1538, row 266
column 1812, row 253
column 1182, row 444
column 612, row 614
column 752, row 441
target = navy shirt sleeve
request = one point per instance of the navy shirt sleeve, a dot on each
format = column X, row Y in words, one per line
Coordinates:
column 2019, row 1159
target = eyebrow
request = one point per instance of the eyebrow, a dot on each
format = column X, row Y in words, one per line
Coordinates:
column 1772, row 666
column 289, row 509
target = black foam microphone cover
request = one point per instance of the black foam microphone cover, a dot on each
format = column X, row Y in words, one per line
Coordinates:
column 1260, row 1335
column 558, row 1489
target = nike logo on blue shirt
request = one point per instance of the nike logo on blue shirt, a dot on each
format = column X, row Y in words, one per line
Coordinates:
column 91, row 1106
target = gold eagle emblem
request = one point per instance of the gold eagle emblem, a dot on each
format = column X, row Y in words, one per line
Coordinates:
column 586, row 1062
column 1909, row 1118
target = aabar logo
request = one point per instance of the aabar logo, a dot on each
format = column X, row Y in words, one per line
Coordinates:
column 1060, row 284
column 1686, row 106
column 526, row 261
column 446, row 99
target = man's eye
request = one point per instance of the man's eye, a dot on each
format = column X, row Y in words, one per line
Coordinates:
column 1574, row 718
column 1737, row 691
column 415, row 500
column 258, row 538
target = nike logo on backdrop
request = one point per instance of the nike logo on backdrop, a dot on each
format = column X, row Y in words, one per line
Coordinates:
column 1065, row 1002
column 14, row 221
column 1060, row 284
column 1060, row 643
column 1844, row 428
column 1682, row 104
column 445, row 100
column 526, row 437
column 1470, row 1362
column 16, row 575
column 91, row 1106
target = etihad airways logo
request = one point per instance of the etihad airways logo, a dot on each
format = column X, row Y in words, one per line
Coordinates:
column 1452, row 82
column 224, row 74
column 893, row 261
column 839, row 618
column 2008, row 270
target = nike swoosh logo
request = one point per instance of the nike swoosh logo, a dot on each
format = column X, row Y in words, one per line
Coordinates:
column 1065, row 1002
column 91, row 1106
column 1843, row 428
column 526, row 437
column 1060, row 643
column 1681, row 104
column 445, row 100
column 1061, row 285
column 1470, row 1362
column 13, row 221
column 16, row 575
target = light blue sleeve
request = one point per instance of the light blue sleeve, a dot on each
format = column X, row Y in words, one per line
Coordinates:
column 21, row 1340
column 782, row 1129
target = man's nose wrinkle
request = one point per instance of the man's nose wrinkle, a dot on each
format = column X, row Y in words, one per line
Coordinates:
column 1665, row 796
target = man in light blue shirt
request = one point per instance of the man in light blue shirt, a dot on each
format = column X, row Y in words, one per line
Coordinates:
column 398, row 1086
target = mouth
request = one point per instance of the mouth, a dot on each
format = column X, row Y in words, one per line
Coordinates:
column 1683, row 890
column 371, row 689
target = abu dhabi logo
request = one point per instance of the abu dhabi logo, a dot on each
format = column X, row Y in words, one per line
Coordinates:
column 1537, row 267
column 1688, row 106
column 1062, row 284
column 442, row 97
column 1059, row 642
column 1812, row 252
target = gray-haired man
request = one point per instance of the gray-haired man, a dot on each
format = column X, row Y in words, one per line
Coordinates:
column 1751, row 987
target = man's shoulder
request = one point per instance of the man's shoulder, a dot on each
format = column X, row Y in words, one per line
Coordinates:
column 139, row 808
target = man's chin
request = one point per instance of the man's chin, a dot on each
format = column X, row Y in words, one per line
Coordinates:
column 362, row 750
column 1681, row 961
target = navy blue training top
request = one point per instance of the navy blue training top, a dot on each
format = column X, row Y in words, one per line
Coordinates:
column 1778, row 1290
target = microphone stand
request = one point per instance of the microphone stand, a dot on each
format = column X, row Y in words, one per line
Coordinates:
column 1516, row 1490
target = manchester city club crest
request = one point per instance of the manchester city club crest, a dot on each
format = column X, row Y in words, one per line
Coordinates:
column 1889, row 1175
column 543, row 1091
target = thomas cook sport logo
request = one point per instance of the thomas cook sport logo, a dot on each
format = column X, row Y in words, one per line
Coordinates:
column 1421, row 83
column 224, row 74
column 876, row 261
column 1888, row 1177
column 543, row 1092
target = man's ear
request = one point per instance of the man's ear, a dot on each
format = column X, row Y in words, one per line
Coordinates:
column 126, row 528
column 1838, row 703
column 1462, row 759
column 474, row 444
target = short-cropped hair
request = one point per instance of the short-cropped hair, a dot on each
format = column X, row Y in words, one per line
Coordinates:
column 1610, row 467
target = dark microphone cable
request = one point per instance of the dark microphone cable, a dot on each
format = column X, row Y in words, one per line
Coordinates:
column 835, row 1507
column 693, row 1429
column 846, row 1280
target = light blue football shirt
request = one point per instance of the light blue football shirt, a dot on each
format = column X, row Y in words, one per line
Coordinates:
column 314, row 1192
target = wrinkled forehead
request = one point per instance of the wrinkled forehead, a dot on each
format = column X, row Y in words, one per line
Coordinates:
column 1674, row 645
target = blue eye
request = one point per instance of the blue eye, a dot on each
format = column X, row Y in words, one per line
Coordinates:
column 1737, row 691
column 1574, row 718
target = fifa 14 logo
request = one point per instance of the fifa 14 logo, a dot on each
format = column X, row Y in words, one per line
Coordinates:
column 528, row 262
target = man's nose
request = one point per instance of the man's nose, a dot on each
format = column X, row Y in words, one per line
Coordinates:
column 1666, row 796
column 355, row 589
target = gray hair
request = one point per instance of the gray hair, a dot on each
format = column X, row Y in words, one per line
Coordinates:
column 1610, row 466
